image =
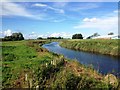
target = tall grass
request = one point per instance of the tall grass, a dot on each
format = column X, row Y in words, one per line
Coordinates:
column 17, row 58
column 108, row 47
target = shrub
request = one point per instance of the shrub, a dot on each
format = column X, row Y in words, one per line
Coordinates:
column 72, row 82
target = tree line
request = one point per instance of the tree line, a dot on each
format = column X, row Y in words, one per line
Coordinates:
column 51, row 38
column 14, row 37
column 19, row 36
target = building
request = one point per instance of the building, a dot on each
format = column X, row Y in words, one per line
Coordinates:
column 107, row 37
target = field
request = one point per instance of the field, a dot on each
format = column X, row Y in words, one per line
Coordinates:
column 27, row 65
column 108, row 47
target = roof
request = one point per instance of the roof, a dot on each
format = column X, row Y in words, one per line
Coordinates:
column 107, row 36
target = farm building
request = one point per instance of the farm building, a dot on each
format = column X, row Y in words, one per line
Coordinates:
column 107, row 37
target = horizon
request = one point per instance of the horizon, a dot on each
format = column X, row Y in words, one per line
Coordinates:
column 54, row 19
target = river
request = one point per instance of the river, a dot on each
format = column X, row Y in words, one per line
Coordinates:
column 102, row 63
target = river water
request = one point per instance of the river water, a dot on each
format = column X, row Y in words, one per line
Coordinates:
column 102, row 63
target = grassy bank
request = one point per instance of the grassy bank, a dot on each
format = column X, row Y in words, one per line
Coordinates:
column 28, row 65
column 108, row 47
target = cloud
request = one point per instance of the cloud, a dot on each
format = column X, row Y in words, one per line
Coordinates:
column 14, row 9
column 102, row 24
column 33, row 32
column 7, row 32
column 61, row 34
column 84, row 7
column 39, row 5
column 61, row 11
column 116, row 11
column 90, row 20
column 60, row 4
column 32, row 35
column 61, row 0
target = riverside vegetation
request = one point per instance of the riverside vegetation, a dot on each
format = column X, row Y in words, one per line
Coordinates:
column 102, row 46
column 27, row 65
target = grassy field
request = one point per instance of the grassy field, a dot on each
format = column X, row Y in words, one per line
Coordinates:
column 27, row 65
column 108, row 47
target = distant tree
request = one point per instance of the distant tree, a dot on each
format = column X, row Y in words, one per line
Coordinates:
column 7, row 38
column 39, row 38
column 95, row 35
column 60, row 37
column 54, row 37
column 14, row 37
column 111, row 33
column 17, row 36
column 88, row 37
column 77, row 36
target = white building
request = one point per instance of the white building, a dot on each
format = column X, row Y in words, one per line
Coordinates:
column 107, row 37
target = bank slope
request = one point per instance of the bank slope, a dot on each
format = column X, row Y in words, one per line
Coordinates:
column 108, row 47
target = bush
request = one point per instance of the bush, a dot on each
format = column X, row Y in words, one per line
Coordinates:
column 77, row 36
column 72, row 82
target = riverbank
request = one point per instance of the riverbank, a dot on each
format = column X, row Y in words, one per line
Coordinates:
column 107, row 47
column 28, row 65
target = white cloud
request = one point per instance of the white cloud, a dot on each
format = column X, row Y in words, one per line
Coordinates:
column 14, row 9
column 57, row 10
column 33, row 32
column 39, row 5
column 7, row 32
column 61, row 34
column 90, row 20
column 116, row 11
column 60, row 0
column 40, row 35
column 49, row 7
column 4, row 33
column 84, row 7
column 61, row 11
column 32, row 35
column 54, row 35
column 1, row 32
column 60, row 4
column 107, row 24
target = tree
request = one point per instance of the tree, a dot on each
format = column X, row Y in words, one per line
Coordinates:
column 14, row 37
column 77, row 36
column 54, row 37
column 111, row 33
column 95, row 35
column 7, row 38
column 17, row 36
column 88, row 37
column 39, row 38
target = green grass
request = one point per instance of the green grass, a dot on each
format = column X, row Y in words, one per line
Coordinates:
column 21, row 58
column 108, row 47
column 17, row 58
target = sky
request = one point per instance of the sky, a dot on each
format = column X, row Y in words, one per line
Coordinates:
column 54, row 19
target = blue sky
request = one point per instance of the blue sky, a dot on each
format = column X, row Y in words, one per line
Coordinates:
column 43, row 19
